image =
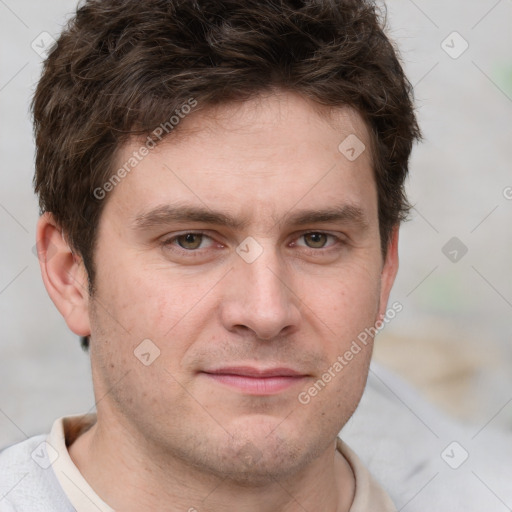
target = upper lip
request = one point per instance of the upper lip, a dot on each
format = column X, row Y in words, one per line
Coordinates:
column 250, row 371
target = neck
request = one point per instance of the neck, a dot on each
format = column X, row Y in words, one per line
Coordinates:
column 147, row 479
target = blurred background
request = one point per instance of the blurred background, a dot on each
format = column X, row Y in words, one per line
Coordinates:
column 452, row 341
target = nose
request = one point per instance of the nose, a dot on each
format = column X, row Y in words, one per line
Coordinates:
column 260, row 297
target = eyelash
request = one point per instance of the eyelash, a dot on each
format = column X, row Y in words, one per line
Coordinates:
column 169, row 243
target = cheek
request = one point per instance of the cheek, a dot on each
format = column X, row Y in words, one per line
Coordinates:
column 136, row 353
column 332, row 398
column 344, row 311
column 146, row 302
column 346, row 302
column 152, row 312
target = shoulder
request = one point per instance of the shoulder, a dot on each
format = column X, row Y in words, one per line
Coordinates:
column 27, row 481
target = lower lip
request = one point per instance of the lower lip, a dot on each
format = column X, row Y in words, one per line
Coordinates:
column 257, row 385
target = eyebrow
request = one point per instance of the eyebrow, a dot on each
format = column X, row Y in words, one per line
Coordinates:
column 167, row 214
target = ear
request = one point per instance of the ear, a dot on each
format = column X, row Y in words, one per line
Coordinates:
column 64, row 275
column 389, row 271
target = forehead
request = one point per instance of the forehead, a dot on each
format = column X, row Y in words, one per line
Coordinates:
column 265, row 115
column 274, row 152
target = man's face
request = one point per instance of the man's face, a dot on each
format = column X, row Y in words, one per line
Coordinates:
column 245, row 315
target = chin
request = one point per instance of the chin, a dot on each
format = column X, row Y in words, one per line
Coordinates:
column 255, row 457
column 251, row 466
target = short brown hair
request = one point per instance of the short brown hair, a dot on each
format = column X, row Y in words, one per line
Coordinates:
column 120, row 63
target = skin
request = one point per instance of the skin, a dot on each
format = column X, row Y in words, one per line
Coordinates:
column 173, row 436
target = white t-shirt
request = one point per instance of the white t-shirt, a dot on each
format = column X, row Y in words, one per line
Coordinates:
column 38, row 475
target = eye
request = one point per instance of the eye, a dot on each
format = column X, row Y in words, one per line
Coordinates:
column 190, row 241
column 318, row 239
column 187, row 241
